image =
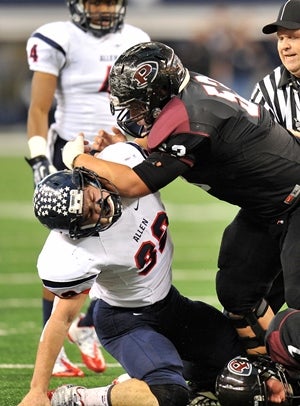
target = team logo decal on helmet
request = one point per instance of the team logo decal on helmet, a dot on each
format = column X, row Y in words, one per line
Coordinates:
column 243, row 382
column 142, row 81
column 240, row 366
column 146, row 73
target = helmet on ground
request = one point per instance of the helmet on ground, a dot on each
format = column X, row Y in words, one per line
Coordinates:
column 98, row 23
column 143, row 79
column 243, row 382
column 58, row 202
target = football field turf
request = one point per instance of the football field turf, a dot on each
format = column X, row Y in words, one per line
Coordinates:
column 196, row 223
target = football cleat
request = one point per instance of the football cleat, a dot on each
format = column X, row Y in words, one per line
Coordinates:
column 67, row 395
column 204, row 399
column 64, row 368
column 87, row 341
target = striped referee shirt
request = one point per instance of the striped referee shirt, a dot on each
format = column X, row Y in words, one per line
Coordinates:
column 279, row 92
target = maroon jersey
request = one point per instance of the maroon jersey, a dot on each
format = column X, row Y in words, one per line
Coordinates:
column 228, row 146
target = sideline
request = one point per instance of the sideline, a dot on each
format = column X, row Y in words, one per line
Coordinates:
column 13, row 143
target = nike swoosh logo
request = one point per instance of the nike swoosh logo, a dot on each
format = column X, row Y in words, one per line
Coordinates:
column 137, row 314
column 137, row 205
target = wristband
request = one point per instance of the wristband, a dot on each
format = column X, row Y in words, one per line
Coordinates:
column 37, row 146
column 71, row 150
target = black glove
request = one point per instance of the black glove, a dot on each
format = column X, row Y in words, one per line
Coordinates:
column 41, row 167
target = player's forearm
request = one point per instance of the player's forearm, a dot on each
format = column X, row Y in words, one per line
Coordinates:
column 49, row 347
column 52, row 339
column 43, row 87
column 37, row 123
column 124, row 178
column 50, row 344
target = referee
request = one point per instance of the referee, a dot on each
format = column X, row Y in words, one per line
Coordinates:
column 279, row 90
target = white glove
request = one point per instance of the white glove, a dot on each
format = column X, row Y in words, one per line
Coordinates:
column 72, row 149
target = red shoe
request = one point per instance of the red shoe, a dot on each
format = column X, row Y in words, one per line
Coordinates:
column 87, row 341
column 64, row 368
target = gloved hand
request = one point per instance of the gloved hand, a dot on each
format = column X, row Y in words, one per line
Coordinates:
column 41, row 167
column 72, row 149
column 38, row 161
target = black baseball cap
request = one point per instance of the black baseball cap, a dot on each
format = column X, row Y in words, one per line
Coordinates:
column 283, row 339
column 288, row 17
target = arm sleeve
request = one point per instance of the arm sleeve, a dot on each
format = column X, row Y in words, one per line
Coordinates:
column 67, row 289
column 160, row 169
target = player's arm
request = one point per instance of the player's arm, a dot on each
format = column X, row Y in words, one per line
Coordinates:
column 155, row 172
column 43, row 87
column 51, row 341
column 128, row 183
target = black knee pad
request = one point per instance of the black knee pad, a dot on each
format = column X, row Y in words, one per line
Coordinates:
column 171, row 395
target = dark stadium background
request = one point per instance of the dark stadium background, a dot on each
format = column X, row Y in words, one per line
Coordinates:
column 220, row 38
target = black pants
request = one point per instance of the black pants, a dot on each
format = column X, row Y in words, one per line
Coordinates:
column 251, row 258
column 151, row 342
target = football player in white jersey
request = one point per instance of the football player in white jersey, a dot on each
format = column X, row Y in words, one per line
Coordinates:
column 71, row 61
column 140, row 318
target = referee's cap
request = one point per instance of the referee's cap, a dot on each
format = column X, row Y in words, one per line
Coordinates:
column 283, row 339
column 288, row 17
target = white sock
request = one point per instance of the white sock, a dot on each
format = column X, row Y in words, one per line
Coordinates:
column 95, row 396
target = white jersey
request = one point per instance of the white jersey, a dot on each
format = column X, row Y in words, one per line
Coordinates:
column 82, row 63
column 128, row 265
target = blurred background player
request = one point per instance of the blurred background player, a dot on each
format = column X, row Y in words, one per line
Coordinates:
column 71, row 61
